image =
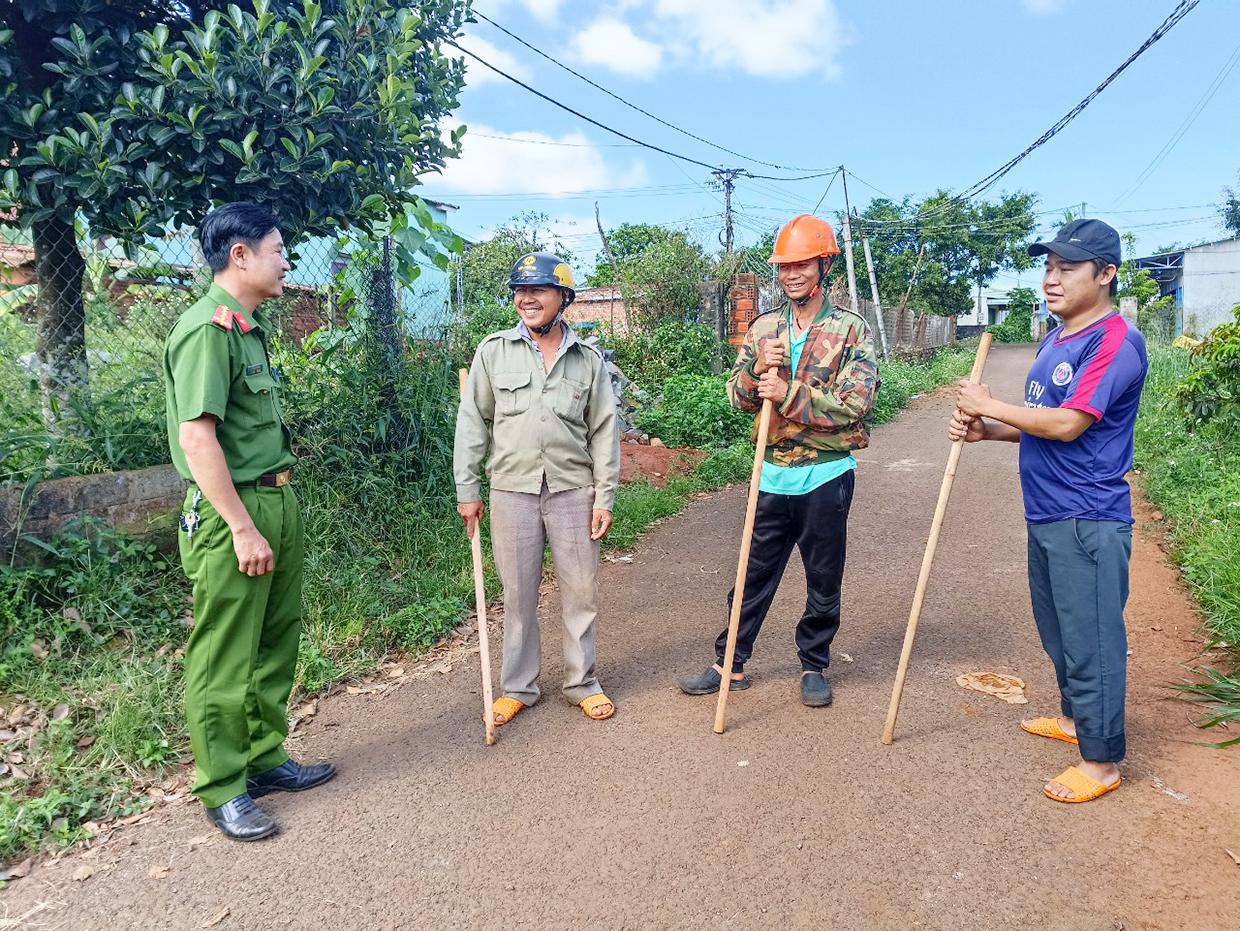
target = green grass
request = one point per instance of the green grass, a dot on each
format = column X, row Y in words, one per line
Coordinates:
column 99, row 626
column 1193, row 477
column 904, row 378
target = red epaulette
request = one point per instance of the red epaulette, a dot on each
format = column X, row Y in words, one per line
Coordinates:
column 224, row 318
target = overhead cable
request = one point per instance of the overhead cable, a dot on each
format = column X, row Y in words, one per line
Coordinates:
column 633, row 106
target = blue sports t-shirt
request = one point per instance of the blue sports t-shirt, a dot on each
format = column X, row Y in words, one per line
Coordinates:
column 1099, row 370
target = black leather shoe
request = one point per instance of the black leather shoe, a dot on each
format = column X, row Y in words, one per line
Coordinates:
column 815, row 689
column 289, row 776
column 240, row 819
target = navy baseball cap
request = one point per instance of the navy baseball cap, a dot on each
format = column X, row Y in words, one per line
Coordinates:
column 1081, row 241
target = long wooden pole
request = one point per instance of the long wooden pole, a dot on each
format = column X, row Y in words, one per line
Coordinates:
column 742, row 564
column 480, row 604
column 919, row 596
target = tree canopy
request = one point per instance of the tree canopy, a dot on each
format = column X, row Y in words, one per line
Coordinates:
column 133, row 115
column 966, row 243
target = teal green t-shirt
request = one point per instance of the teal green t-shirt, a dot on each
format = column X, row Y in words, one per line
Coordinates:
column 801, row 480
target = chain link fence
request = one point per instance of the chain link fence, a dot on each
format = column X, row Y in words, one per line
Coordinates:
column 82, row 335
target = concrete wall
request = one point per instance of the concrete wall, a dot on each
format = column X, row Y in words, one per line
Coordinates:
column 143, row 501
column 1211, row 285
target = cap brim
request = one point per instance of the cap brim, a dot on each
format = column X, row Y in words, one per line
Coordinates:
column 1064, row 250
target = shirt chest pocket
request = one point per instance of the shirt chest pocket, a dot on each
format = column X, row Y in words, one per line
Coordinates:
column 570, row 399
column 512, row 392
column 258, row 397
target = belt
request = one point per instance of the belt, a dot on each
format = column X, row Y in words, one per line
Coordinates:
column 273, row 479
column 266, row 480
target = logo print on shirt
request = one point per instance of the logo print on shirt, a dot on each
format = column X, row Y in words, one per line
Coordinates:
column 1062, row 374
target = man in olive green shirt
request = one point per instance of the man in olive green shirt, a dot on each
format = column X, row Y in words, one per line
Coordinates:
column 241, row 529
column 540, row 402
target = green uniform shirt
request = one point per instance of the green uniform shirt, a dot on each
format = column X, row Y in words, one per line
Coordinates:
column 560, row 425
column 216, row 362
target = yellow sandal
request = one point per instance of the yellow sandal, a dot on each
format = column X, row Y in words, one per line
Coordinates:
column 505, row 709
column 592, row 703
column 1048, row 727
column 1082, row 787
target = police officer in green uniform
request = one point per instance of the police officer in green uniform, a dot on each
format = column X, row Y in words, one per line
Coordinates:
column 241, row 529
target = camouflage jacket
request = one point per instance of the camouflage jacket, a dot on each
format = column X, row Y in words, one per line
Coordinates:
column 830, row 396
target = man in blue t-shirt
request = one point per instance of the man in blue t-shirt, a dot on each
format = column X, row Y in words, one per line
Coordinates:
column 1075, row 431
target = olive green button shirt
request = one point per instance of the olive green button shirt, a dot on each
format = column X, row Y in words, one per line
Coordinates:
column 226, row 373
column 560, row 425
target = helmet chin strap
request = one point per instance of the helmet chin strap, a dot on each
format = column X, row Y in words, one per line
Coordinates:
column 544, row 330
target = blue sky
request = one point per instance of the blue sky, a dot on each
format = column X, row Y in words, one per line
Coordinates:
column 910, row 96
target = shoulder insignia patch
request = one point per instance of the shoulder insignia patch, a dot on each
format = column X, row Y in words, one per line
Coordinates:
column 223, row 318
column 242, row 323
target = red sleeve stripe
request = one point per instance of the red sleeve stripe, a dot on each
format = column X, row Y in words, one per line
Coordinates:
column 1113, row 335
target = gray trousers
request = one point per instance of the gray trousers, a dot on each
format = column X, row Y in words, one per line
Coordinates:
column 521, row 525
column 1078, row 581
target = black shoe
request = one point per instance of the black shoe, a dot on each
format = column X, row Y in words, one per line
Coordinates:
column 240, row 819
column 289, row 776
column 815, row 689
column 709, row 682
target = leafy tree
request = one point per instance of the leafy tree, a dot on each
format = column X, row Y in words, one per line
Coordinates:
column 130, row 115
column 1155, row 314
column 626, row 241
column 966, row 245
column 661, row 281
column 1229, row 210
column 1017, row 326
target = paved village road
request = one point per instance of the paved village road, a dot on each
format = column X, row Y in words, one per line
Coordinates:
column 795, row 818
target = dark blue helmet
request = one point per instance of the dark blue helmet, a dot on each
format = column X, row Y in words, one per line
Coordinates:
column 537, row 268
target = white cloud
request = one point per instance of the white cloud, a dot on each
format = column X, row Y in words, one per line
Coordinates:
column 542, row 10
column 1043, row 7
column 497, row 166
column 611, row 43
column 478, row 73
column 763, row 38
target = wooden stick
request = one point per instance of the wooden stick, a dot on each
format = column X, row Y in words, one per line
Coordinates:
column 919, row 596
column 738, row 591
column 480, row 603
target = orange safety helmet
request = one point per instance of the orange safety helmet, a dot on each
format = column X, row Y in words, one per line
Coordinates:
column 804, row 237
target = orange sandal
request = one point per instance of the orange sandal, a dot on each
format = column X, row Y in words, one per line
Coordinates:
column 592, row 703
column 1048, row 727
column 505, row 709
column 1083, row 788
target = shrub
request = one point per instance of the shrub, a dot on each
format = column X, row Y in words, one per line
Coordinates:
column 1017, row 325
column 695, row 411
column 1211, row 392
column 650, row 357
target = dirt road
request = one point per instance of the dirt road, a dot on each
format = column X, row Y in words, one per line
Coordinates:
column 796, row 818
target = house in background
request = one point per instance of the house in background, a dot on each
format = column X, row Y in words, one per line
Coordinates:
column 599, row 306
column 1205, row 281
column 989, row 308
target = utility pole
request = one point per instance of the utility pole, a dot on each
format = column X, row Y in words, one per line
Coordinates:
column 727, row 177
column 878, row 306
column 848, row 247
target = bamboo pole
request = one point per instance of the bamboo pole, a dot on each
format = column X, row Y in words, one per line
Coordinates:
column 923, row 578
column 480, row 604
column 742, row 564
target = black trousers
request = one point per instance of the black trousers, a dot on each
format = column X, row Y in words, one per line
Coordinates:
column 817, row 524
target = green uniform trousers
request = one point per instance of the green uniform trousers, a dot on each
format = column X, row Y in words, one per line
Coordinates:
column 242, row 653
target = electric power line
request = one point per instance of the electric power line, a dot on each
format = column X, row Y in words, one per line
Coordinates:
column 633, row 106
column 1173, row 141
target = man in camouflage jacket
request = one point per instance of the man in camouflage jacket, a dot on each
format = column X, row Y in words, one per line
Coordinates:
column 816, row 364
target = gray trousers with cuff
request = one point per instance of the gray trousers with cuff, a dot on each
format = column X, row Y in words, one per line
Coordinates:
column 1078, row 582
column 521, row 525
